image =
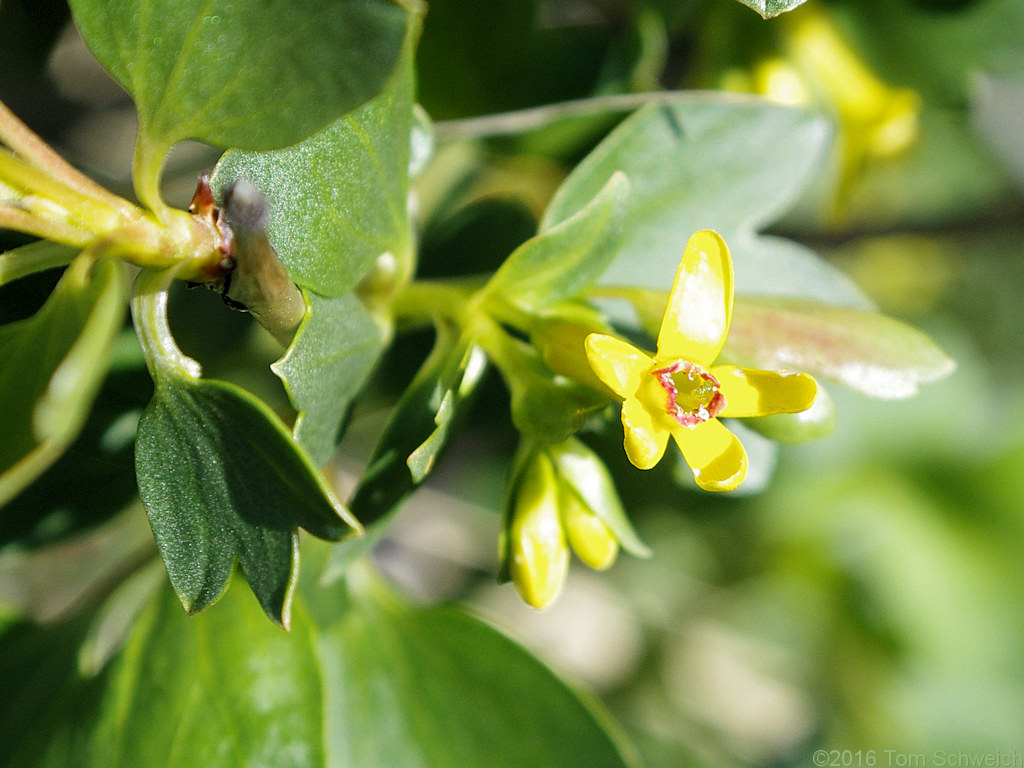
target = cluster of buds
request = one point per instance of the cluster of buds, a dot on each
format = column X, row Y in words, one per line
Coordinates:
column 560, row 497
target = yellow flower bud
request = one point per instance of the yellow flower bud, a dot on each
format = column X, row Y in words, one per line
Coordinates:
column 538, row 553
column 591, row 540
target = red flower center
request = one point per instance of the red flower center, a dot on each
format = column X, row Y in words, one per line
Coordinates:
column 692, row 393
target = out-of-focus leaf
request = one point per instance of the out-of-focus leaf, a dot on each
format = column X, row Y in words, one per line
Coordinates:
column 709, row 162
column 222, row 480
column 865, row 351
column 51, row 366
column 326, row 364
column 503, row 60
column 243, row 73
column 418, row 429
column 362, row 679
column 934, row 52
column 998, row 103
column 770, row 8
column 338, row 199
column 435, row 687
column 567, row 258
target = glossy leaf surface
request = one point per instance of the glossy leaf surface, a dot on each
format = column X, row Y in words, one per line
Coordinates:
column 865, row 351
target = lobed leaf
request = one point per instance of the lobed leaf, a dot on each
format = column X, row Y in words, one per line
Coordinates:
column 710, row 162
column 325, row 366
column 222, row 481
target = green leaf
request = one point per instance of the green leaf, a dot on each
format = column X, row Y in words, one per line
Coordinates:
column 325, row 366
column 418, row 429
column 243, row 73
column 865, row 351
column 710, row 162
column 997, row 105
column 338, row 199
column 770, row 8
column 566, row 259
column 435, row 687
column 222, row 480
column 51, row 367
column 361, row 680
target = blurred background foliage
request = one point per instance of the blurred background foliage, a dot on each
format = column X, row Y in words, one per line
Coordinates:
column 869, row 597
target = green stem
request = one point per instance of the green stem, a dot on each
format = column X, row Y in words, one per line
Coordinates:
column 149, row 313
column 49, row 229
column 146, row 168
column 26, row 145
column 419, row 302
column 32, row 258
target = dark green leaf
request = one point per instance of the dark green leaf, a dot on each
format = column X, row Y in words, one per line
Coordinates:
column 418, row 429
column 243, row 73
column 562, row 261
column 222, row 481
column 328, row 361
column 338, row 199
column 51, row 366
column 707, row 162
column 770, row 8
column 865, row 351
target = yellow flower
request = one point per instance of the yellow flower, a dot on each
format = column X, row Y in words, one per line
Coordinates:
column 678, row 391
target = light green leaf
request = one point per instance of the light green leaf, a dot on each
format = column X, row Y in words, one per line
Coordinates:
column 51, row 367
column 770, row 8
column 243, row 73
column 222, row 481
column 865, row 351
column 710, row 162
column 325, row 366
column 338, row 199
column 567, row 258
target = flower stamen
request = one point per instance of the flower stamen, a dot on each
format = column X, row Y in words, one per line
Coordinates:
column 693, row 395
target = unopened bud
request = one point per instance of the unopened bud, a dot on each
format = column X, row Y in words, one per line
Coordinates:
column 591, row 540
column 538, row 554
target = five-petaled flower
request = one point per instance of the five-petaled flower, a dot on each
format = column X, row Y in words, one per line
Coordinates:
column 678, row 391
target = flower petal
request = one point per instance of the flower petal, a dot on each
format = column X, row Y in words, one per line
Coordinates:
column 617, row 363
column 645, row 439
column 750, row 392
column 716, row 455
column 697, row 317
